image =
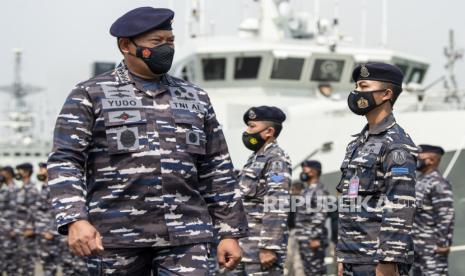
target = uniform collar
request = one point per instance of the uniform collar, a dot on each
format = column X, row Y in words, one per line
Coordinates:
column 124, row 77
column 381, row 127
column 267, row 148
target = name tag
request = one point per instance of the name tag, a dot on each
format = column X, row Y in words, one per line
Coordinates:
column 353, row 187
column 115, row 103
column 187, row 105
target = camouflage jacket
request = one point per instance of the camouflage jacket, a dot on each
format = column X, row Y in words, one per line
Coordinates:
column 25, row 206
column 434, row 219
column 147, row 168
column 310, row 219
column 266, row 178
column 378, row 177
column 5, row 211
column 45, row 221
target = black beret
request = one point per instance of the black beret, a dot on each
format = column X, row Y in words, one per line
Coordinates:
column 141, row 20
column 264, row 113
column 312, row 164
column 8, row 169
column 378, row 71
column 25, row 166
column 42, row 165
column 432, row 149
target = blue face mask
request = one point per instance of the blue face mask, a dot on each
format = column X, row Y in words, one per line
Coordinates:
column 361, row 103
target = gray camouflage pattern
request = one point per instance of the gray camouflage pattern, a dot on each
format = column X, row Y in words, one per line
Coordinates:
column 384, row 160
column 146, row 168
column 266, row 175
column 310, row 225
column 434, row 223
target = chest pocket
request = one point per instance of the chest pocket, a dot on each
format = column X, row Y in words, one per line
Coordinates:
column 126, row 131
column 190, row 135
column 251, row 183
column 366, row 168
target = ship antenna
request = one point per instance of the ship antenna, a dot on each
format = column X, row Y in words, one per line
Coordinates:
column 452, row 55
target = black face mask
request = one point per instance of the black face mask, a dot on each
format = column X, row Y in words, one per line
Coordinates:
column 253, row 141
column 421, row 164
column 361, row 103
column 159, row 58
column 41, row 177
column 304, row 177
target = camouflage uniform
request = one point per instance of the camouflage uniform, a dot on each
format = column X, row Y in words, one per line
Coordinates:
column 378, row 170
column 265, row 177
column 48, row 250
column 147, row 168
column 310, row 225
column 71, row 264
column 433, row 225
column 4, row 221
column 25, row 219
column 10, row 244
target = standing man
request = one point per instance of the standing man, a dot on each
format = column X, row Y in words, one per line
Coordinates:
column 9, row 243
column 25, row 219
column 48, row 240
column 311, row 219
column 265, row 182
column 378, row 181
column 140, row 174
column 434, row 218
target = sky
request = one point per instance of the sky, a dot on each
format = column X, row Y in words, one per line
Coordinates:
column 61, row 39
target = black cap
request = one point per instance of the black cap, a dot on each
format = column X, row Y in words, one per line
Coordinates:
column 312, row 164
column 25, row 166
column 141, row 20
column 9, row 169
column 378, row 71
column 432, row 149
column 264, row 113
column 42, row 165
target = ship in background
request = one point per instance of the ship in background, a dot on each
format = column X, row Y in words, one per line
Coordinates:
column 302, row 64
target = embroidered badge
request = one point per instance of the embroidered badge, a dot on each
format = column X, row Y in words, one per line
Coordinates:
column 252, row 115
column 399, row 171
column 399, row 157
column 364, row 73
column 362, row 103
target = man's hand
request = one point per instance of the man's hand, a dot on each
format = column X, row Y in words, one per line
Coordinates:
column 48, row 236
column 84, row 239
column 315, row 244
column 229, row 253
column 267, row 258
column 387, row 269
column 28, row 233
column 443, row 250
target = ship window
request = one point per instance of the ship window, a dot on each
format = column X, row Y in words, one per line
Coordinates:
column 214, row 68
column 184, row 74
column 37, row 154
column 417, row 75
column 327, row 70
column 27, row 154
column 17, row 153
column 247, row 67
column 402, row 67
column 287, row 69
column 6, row 154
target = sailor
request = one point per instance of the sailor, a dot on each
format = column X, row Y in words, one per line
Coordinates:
column 8, row 234
column 265, row 182
column 48, row 240
column 25, row 219
column 140, row 174
column 377, row 187
column 311, row 231
column 434, row 218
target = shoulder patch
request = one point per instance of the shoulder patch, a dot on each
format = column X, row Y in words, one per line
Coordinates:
column 399, row 156
column 277, row 166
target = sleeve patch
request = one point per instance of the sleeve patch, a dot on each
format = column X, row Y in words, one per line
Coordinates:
column 399, row 157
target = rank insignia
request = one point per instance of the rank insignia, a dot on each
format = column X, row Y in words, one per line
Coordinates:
column 252, row 115
column 364, row 73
